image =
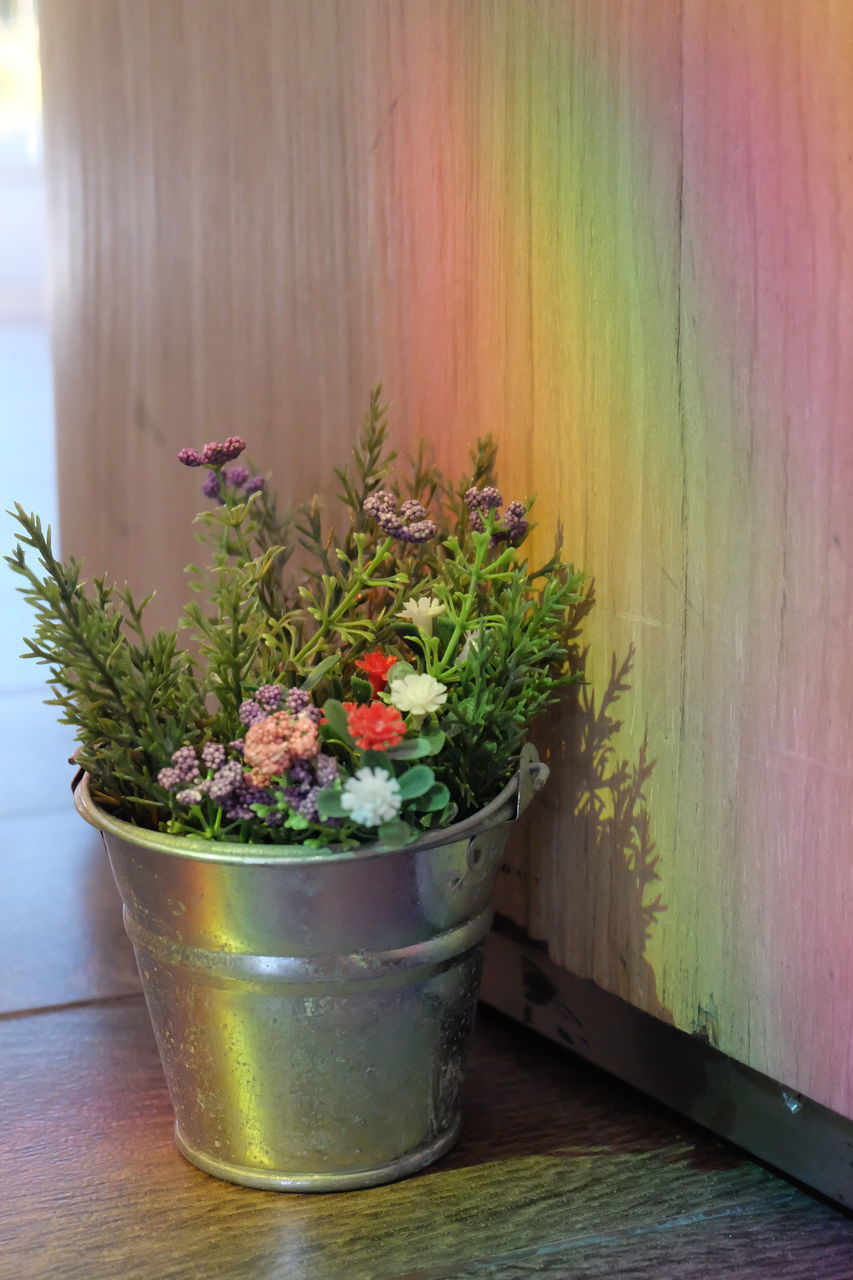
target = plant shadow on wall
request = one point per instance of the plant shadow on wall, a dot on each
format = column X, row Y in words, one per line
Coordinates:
column 586, row 877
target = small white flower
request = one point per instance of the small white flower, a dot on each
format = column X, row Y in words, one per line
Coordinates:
column 418, row 694
column 371, row 796
column 421, row 612
column 471, row 645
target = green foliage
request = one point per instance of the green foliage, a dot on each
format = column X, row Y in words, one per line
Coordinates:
column 502, row 641
column 132, row 699
column 371, row 463
column 516, row 665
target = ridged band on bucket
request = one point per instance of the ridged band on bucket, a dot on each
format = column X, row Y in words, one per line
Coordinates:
column 234, row 968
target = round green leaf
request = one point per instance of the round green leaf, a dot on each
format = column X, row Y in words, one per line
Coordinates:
column 416, row 781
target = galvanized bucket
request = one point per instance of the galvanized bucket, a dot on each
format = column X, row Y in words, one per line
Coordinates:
column 312, row 1011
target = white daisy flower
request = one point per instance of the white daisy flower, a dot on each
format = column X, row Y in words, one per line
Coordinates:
column 371, row 796
column 418, row 694
column 421, row 612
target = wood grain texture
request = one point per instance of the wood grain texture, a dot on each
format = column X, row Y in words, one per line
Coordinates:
column 767, row 319
column 613, row 234
column 555, row 1159
column 748, row 1243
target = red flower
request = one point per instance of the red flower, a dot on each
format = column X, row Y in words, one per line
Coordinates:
column 376, row 666
column 375, row 727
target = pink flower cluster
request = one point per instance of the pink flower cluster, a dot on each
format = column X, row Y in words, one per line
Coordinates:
column 214, row 453
column 272, row 745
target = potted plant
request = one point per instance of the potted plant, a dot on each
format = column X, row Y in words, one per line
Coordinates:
column 305, row 800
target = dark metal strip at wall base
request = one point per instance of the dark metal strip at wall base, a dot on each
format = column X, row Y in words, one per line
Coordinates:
column 796, row 1135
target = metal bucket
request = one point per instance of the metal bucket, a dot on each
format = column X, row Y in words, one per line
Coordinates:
column 312, row 1010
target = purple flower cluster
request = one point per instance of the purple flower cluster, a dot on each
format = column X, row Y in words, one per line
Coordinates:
column 212, row 487
column 224, row 780
column 515, row 525
column 250, row 713
column 213, row 755
column 263, row 703
column 226, row 784
column 479, row 501
column 238, row 804
column 298, row 702
column 184, row 771
column 271, row 698
column 511, row 527
column 214, row 453
column 195, row 775
column 409, row 523
column 306, row 778
column 184, row 777
column 236, row 478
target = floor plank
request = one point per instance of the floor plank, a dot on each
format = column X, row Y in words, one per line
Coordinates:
column 61, row 933
column 558, row 1166
column 752, row 1241
column 35, row 776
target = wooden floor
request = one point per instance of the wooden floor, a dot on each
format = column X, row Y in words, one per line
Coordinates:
column 560, row 1171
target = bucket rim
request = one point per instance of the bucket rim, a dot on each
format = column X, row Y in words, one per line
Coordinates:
column 508, row 805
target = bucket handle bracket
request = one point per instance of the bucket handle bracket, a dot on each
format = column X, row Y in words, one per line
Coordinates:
column 532, row 776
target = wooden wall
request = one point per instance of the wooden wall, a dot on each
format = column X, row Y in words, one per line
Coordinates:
column 618, row 236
